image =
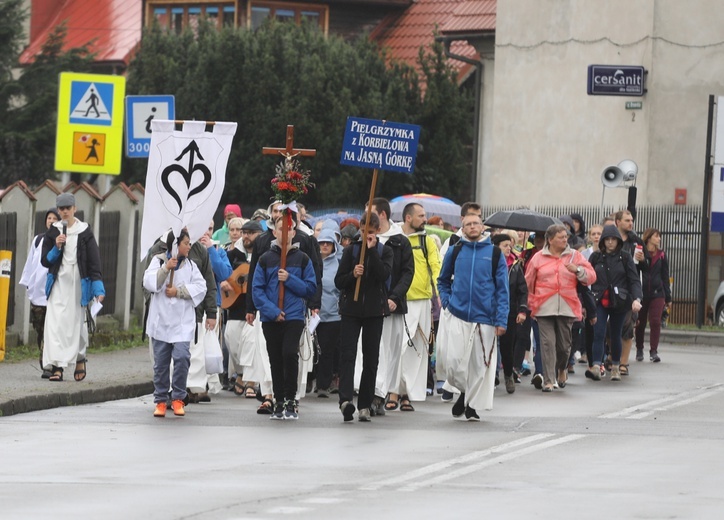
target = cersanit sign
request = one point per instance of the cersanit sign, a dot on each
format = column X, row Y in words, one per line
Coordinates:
column 612, row 80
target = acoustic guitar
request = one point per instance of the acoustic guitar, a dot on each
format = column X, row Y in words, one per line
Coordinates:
column 238, row 282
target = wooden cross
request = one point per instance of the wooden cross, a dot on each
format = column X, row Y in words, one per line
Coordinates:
column 289, row 152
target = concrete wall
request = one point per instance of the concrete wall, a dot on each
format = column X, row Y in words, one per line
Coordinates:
column 551, row 140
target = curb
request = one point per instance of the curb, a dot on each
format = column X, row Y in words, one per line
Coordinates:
column 683, row 337
column 34, row 403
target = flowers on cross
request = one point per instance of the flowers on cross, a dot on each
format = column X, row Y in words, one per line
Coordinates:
column 290, row 181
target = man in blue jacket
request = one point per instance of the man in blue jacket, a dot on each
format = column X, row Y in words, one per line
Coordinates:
column 283, row 327
column 475, row 300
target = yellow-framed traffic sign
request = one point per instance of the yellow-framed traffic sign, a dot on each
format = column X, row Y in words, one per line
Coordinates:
column 89, row 137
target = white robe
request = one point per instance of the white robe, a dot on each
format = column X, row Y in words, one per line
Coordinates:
column 260, row 370
column 35, row 275
column 414, row 361
column 66, row 333
column 465, row 360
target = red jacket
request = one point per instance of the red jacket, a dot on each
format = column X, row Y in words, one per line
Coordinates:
column 547, row 278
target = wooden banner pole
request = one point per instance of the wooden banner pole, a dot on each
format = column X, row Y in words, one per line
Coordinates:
column 283, row 260
column 365, row 231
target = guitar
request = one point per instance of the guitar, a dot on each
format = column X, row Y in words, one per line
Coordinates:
column 238, row 282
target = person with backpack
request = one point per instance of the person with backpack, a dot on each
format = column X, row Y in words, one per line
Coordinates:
column 365, row 313
column 552, row 277
column 617, row 289
column 34, row 277
column 475, row 307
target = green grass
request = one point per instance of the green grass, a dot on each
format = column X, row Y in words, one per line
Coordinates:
column 101, row 341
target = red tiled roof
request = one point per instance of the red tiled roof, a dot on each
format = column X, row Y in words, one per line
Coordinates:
column 472, row 17
column 414, row 28
column 114, row 25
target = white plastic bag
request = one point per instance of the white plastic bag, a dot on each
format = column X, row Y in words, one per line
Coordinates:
column 213, row 357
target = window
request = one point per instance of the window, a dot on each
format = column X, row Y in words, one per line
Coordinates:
column 177, row 16
column 259, row 11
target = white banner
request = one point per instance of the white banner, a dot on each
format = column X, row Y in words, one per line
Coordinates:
column 185, row 178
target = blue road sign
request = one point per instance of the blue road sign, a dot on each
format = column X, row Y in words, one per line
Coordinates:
column 91, row 103
column 141, row 110
column 384, row 145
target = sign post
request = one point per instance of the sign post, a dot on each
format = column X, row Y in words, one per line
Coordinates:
column 381, row 145
column 6, row 258
column 89, row 133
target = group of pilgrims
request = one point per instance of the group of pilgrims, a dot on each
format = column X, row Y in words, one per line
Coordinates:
column 377, row 314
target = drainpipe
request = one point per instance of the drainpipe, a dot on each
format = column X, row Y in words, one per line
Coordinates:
column 478, row 64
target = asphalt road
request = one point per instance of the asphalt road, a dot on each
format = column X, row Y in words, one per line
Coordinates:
column 650, row 446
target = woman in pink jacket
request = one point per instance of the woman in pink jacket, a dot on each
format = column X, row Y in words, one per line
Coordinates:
column 552, row 277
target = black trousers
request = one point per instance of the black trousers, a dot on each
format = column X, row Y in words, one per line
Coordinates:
column 522, row 342
column 371, row 336
column 328, row 337
column 507, row 346
column 282, row 344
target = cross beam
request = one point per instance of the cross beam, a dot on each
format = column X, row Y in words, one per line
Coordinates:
column 289, row 151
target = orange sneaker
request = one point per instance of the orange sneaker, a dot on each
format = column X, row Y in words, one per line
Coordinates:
column 178, row 407
column 160, row 410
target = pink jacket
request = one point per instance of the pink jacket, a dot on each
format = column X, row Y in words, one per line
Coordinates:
column 552, row 288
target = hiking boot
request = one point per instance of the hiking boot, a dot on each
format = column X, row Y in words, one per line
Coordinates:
column 615, row 373
column 654, row 357
column 471, row 414
column 583, row 360
column 290, row 410
column 571, row 368
column 278, row 413
column 639, row 354
column 537, row 381
column 347, row 410
column 364, row 415
column 160, row 410
column 178, row 408
column 459, row 407
column 446, row 396
column 509, row 384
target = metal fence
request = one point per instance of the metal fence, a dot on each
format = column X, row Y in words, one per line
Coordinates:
column 8, row 242
column 680, row 228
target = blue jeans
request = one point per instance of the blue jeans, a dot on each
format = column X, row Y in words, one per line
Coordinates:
column 615, row 321
column 163, row 353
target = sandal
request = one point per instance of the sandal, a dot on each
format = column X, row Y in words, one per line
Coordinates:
column 249, row 391
column 239, row 387
column 57, row 374
column 391, row 405
column 266, row 407
column 406, row 406
column 623, row 369
column 79, row 374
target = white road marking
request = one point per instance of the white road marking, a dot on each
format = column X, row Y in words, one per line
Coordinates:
column 464, row 459
column 496, row 460
column 640, row 411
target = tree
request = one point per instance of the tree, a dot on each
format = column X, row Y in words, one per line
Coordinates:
column 28, row 128
column 282, row 74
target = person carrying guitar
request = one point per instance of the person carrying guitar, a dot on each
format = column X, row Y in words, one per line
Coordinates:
column 233, row 300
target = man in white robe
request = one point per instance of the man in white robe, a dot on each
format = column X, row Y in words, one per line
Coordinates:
column 475, row 303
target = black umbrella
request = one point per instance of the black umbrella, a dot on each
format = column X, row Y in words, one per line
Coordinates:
column 521, row 220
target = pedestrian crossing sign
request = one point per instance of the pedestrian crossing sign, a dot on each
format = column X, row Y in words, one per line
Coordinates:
column 89, row 137
column 90, row 103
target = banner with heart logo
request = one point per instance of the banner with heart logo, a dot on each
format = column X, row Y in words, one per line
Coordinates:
column 185, row 178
